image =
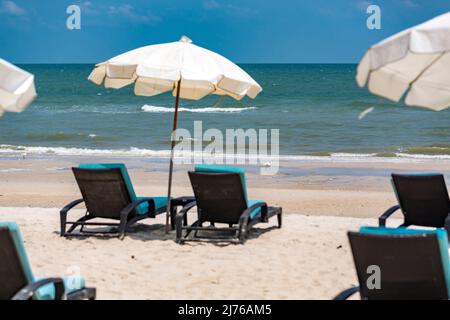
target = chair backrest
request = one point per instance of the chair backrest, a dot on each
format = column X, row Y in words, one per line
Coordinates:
column 104, row 191
column 206, row 168
column 412, row 264
column 423, row 198
column 15, row 270
column 220, row 196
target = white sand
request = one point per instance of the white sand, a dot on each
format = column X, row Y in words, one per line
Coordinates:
column 309, row 258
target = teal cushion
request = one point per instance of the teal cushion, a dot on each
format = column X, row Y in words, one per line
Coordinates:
column 224, row 169
column 256, row 211
column 18, row 242
column 71, row 284
column 160, row 202
column 440, row 233
column 126, row 177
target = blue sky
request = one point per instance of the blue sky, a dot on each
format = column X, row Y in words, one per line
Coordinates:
column 246, row 31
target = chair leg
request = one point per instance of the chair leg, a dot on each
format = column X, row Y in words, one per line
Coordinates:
column 242, row 233
column 280, row 219
column 179, row 230
column 63, row 220
column 92, row 294
column 123, row 226
column 173, row 214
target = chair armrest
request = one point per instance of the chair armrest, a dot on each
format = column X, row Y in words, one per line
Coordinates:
column 129, row 208
column 248, row 211
column 83, row 294
column 27, row 292
column 344, row 295
column 186, row 209
column 180, row 217
column 182, row 201
column 71, row 205
column 382, row 219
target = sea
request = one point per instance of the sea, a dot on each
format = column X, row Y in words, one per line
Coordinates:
column 319, row 110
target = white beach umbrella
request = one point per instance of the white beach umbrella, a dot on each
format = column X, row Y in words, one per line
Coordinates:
column 186, row 70
column 415, row 62
column 17, row 89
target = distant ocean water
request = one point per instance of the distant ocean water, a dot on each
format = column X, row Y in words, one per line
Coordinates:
column 316, row 108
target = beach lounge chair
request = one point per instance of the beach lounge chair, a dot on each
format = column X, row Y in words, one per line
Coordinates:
column 16, row 278
column 423, row 200
column 109, row 194
column 221, row 197
column 409, row 263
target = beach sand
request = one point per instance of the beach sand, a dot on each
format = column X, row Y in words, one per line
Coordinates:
column 309, row 258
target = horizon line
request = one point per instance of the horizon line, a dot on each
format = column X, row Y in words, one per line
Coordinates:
column 238, row 63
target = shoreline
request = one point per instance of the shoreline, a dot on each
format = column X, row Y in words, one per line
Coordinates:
column 351, row 189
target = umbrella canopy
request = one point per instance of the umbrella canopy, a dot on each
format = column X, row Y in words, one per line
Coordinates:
column 17, row 89
column 415, row 62
column 158, row 68
column 186, row 70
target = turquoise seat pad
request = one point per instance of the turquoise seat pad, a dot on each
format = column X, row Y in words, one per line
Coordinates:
column 256, row 211
column 71, row 284
column 160, row 202
column 205, row 168
column 441, row 235
column 141, row 209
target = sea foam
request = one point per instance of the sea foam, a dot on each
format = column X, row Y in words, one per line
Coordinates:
column 158, row 109
column 141, row 152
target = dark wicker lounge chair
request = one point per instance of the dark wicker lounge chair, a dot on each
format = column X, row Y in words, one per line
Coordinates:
column 413, row 264
column 423, row 200
column 108, row 193
column 221, row 198
column 16, row 278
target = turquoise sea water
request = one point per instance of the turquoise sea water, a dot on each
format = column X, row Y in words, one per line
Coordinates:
column 316, row 108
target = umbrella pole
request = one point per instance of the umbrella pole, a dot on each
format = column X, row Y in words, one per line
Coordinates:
column 169, row 189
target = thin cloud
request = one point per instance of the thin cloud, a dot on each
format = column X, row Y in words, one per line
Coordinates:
column 88, row 8
column 212, row 5
column 228, row 8
column 11, row 8
column 410, row 4
column 363, row 5
column 127, row 11
column 112, row 13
